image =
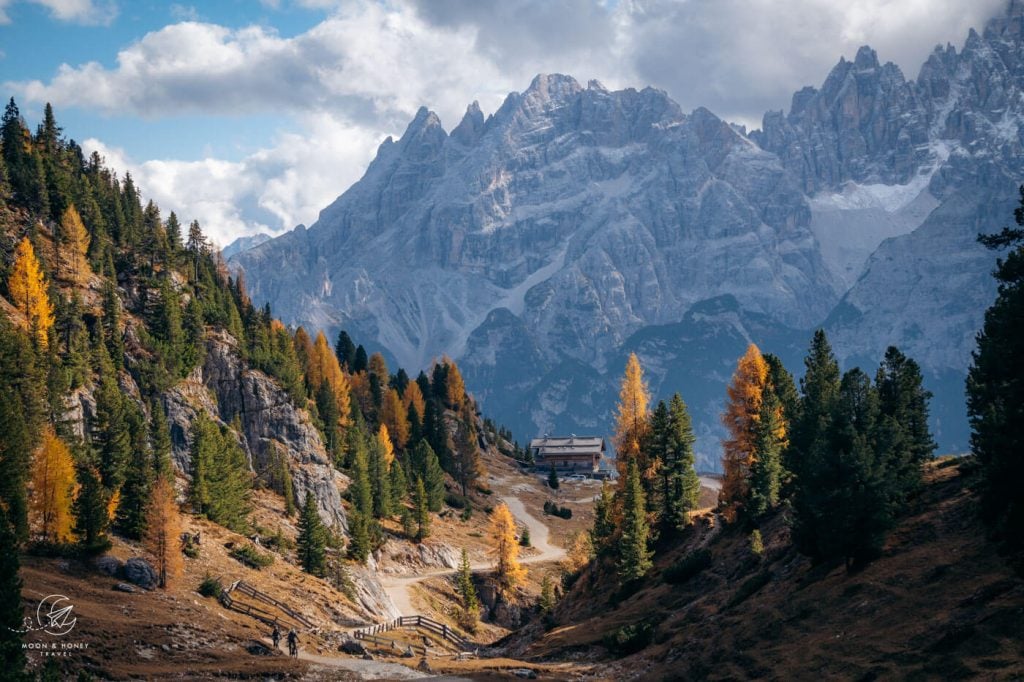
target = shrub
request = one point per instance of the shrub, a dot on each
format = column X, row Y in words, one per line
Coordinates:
column 687, row 567
column 210, row 587
column 455, row 501
column 466, row 514
column 749, row 587
column 553, row 509
column 252, row 557
column 191, row 550
column 524, row 537
column 756, row 543
column 629, row 639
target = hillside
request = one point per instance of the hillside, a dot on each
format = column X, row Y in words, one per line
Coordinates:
column 940, row 602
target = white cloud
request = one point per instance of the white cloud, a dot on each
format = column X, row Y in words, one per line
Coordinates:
column 270, row 190
column 73, row 11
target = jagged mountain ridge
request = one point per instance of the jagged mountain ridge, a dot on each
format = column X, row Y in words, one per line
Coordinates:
column 534, row 244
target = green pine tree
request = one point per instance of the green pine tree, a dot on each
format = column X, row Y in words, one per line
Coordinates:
column 903, row 438
column 634, row 558
column 681, row 491
column 422, row 511
column 553, row 478
column 427, row 467
column 12, row 656
column 766, row 471
column 312, row 540
column 359, row 536
column 139, row 476
column 604, row 520
column 467, row 592
column 90, row 510
column 995, row 391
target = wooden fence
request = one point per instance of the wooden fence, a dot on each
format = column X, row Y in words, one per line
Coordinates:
column 417, row 622
column 256, row 612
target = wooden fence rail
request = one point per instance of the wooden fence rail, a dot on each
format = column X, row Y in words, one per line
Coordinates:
column 421, row 622
column 391, row 644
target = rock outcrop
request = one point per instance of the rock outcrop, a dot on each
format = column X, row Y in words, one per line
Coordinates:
column 225, row 388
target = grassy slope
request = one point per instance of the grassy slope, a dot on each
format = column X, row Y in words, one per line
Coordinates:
column 939, row 603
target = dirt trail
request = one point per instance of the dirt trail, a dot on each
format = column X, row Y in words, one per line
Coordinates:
column 398, row 587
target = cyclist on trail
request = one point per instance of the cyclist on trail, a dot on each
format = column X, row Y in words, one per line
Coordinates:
column 276, row 636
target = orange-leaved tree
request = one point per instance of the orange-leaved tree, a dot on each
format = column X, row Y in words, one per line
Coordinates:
column 741, row 419
column 74, row 234
column 387, row 448
column 396, row 416
column 632, row 419
column 456, row 386
column 505, row 547
column 27, row 287
column 53, row 488
column 163, row 530
column 414, row 396
column 324, row 367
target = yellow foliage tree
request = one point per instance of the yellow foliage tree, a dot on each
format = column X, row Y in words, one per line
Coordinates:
column 163, row 530
column 378, row 367
column 395, row 415
column 414, row 396
column 456, row 386
column 632, row 419
column 323, row 366
column 53, row 488
column 581, row 550
column 74, row 234
column 28, row 292
column 741, row 417
column 387, row 449
column 505, row 548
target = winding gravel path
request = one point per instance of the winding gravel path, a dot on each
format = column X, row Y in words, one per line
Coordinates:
column 398, row 588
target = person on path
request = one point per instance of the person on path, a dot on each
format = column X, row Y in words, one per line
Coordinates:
column 276, row 636
column 293, row 643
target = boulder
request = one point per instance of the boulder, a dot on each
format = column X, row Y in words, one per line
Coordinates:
column 109, row 565
column 352, row 647
column 139, row 571
column 124, row 587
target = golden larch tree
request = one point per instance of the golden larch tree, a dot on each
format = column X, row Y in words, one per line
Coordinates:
column 456, row 386
column 414, row 396
column 324, row 366
column 163, row 531
column 396, row 416
column 632, row 419
column 741, row 417
column 505, row 548
column 378, row 367
column 387, row 448
column 53, row 488
column 74, row 234
column 27, row 287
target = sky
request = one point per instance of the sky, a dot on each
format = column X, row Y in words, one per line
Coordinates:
column 253, row 115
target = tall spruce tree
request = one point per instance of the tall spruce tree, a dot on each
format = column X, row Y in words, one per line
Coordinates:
column 12, row 655
column 682, row 486
column 422, row 511
column 634, row 558
column 312, row 540
column 903, row 439
column 995, row 391
column 90, row 509
column 766, row 473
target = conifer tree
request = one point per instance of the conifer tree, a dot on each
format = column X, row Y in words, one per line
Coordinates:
column 27, row 288
column 394, row 415
column 631, row 419
column 360, row 490
column 221, row 482
column 312, row 540
column 360, row 361
column 553, row 477
column 163, row 532
column 53, row 488
column 766, row 471
column 456, row 387
column 507, row 569
column 281, row 477
column 76, row 238
column 634, row 558
column 160, row 440
column 903, row 438
column 12, row 656
column 681, row 485
column 546, row 601
column 323, row 368
column 399, row 484
column 19, row 408
column 995, row 391
column 345, row 350
column 604, row 520
column 422, row 511
column 467, row 592
column 110, row 434
column 466, row 459
column 112, row 335
column 167, row 329
column 809, row 450
column 427, row 466
column 740, row 418
column 412, row 396
column 359, row 537
column 380, row 480
column 90, row 509
column 139, row 474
